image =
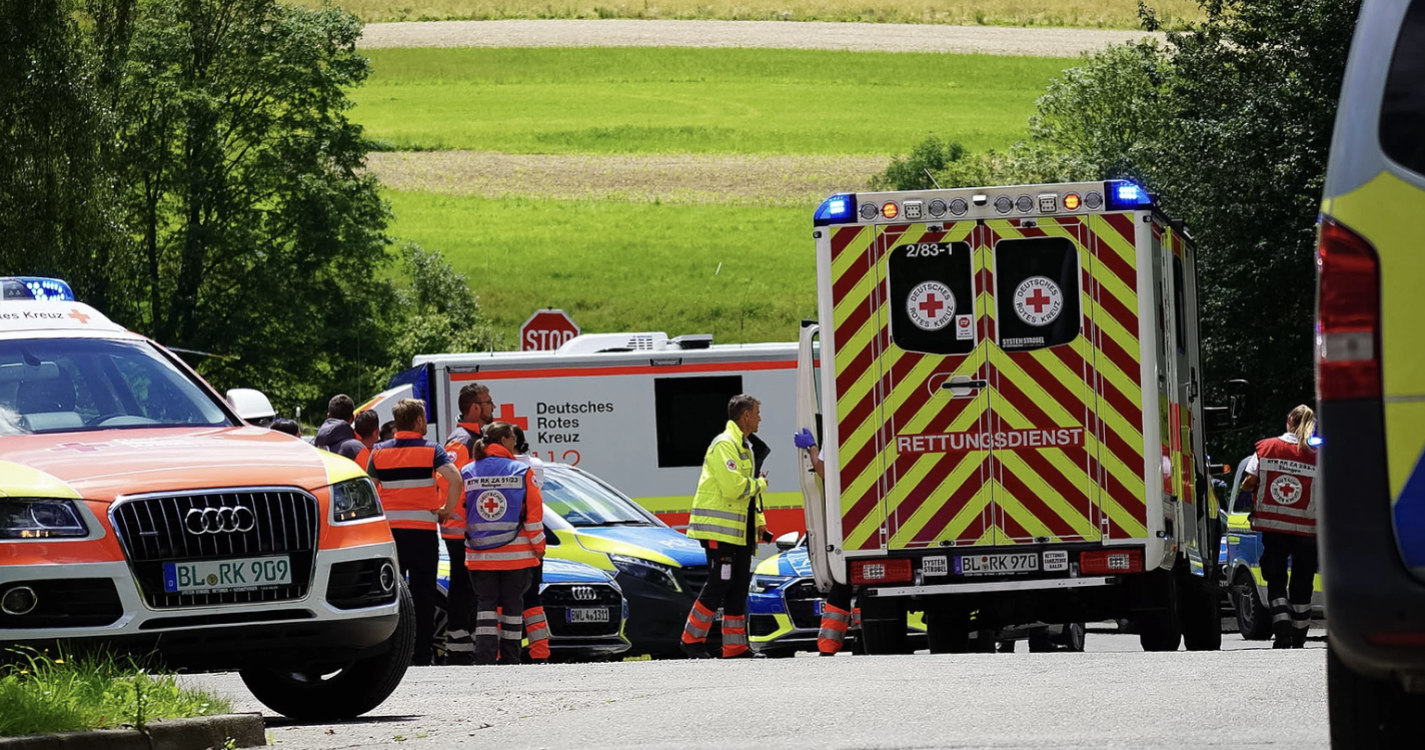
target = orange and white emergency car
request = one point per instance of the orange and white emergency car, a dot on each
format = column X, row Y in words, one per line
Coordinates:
column 1006, row 385
column 139, row 511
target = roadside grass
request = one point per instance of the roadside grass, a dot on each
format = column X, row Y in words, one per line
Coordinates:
column 625, row 266
column 691, row 101
column 41, row 694
column 1117, row 14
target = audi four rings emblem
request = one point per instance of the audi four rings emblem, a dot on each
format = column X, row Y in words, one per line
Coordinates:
column 219, row 520
column 585, row 593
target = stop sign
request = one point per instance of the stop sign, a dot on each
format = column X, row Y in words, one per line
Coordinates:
column 546, row 330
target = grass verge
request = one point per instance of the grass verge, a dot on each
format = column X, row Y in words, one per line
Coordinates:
column 625, row 266
column 689, row 101
column 40, row 694
column 1115, row 14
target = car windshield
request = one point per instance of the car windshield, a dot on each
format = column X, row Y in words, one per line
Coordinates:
column 584, row 503
column 74, row 385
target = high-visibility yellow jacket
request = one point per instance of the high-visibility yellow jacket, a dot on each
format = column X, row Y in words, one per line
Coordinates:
column 726, row 490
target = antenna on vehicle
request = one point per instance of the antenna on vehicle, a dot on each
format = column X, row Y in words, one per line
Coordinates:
column 707, row 296
column 933, row 181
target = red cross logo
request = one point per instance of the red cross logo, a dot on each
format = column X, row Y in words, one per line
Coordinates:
column 506, row 413
column 81, row 447
column 1038, row 300
column 492, row 506
column 931, row 306
column 1289, row 490
column 79, row 316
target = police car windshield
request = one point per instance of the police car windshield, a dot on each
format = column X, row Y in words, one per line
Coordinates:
column 76, row 385
column 584, row 503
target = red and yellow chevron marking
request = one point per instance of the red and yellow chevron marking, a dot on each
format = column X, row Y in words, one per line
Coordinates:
column 1075, row 492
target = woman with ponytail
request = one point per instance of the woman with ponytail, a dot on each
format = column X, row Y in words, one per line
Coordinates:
column 1282, row 473
column 504, row 541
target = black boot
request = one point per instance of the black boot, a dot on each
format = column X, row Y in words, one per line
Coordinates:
column 695, row 650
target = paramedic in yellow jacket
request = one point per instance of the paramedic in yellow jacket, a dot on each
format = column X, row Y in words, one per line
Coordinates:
column 728, row 522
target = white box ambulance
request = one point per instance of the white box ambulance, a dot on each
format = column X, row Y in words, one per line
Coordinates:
column 637, row 410
column 1007, row 389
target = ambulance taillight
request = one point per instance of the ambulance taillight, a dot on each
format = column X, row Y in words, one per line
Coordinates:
column 1108, row 562
column 880, row 571
column 1347, row 315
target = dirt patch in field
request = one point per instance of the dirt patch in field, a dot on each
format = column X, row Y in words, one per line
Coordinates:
column 859, row 37
column 676, row 179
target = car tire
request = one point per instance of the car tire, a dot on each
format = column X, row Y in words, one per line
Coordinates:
column 1370, row 714
column 1254, row 620
column 946, row 633
column 1201, row 613
column 1161, row 629
column 883, row 628
column 343, row 694
column 440, row 621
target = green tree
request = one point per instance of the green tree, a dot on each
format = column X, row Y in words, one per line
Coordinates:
column 257, row 233
column 441, row 313
column 55, row 195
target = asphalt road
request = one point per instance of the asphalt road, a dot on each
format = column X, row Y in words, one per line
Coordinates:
column 1114, row 696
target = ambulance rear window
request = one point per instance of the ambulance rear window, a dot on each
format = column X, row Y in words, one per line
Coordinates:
column 1402, row 113
column 1036, row 292
column 690, row 412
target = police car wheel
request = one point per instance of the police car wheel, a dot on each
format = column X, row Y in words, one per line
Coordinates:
column 345, row 692
column 1254, row 620
column 1370, row 714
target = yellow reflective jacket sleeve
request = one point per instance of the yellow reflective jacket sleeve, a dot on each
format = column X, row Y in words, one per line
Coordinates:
column 724, row 466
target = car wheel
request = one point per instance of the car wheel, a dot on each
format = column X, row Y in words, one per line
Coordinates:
column 1072, row 638
column 1370, row 714
column 345, row 692
column 440, row 621
column 1254, row 620
column 1040, row 641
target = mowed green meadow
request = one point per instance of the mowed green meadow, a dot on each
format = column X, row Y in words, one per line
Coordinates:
column 694, row 101
column 624, row 265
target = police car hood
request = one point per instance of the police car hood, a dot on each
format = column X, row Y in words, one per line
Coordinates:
column 629, row 540
column 103, row 464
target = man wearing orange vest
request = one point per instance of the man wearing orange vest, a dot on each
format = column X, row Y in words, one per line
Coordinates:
column 406, row 468
column 504, row 541
column 1282, row 472
column 477, row 409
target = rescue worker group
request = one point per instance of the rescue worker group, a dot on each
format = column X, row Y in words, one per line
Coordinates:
column 479, row 494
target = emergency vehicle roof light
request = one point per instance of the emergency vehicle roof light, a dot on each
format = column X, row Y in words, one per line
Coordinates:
column 1124, row 195
column 838, row 209
column 36, row 288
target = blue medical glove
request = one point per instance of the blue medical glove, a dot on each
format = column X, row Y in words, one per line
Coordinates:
column 804, row 439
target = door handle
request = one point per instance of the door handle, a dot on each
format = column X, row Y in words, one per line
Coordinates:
column 961, row 386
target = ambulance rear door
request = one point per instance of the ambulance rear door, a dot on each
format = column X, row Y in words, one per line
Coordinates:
column 935, row 402
column 1038, row 298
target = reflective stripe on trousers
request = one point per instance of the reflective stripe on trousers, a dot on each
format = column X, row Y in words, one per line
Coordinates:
column 1300, row 616
column 459, row 641
column 834, row 622
column 486, row 623
column 734, row 635
column 512, row 627
column 699, row 622
column 536, row 628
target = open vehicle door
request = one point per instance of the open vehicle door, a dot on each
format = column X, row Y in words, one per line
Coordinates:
column 809, row 416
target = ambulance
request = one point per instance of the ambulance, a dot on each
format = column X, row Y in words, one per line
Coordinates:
column 139, row 511
column 1006, row 386
column 637, row 410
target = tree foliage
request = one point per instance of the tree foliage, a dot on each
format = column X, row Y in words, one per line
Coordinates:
column 191, row 166
column 1229, row 124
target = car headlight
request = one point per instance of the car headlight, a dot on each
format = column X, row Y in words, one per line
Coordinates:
column 354, row 500
column 40, row 518
column 769, row 583
column 647, row 570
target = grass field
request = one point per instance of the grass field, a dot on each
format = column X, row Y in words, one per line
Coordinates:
column 1079, row 13
column 625, row 266
column 659, row 100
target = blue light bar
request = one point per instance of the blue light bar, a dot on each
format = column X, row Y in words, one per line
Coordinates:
column 838, row 209
column 36, row 288
column 1124, row 195
column 1314, row 441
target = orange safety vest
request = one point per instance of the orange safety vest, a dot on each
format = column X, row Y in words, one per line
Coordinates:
column 405, row 470
column 527, row 547
column 458, row 446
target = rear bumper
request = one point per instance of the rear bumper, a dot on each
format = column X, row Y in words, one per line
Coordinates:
column 1374, row 604
column 305, row 630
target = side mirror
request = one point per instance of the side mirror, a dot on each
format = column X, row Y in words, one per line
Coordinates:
column 1235, row 412
column 788, row 541
column 251, row 405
